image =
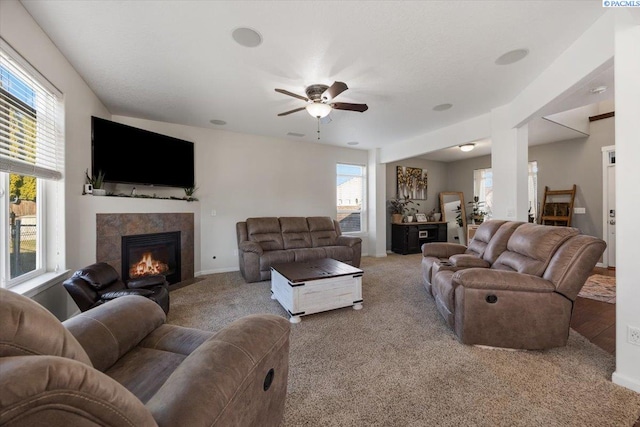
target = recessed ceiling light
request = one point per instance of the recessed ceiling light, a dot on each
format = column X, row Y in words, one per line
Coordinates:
column 442, row 107
column 353, row 143
column 246, row 37
column 598, row 90
column 218, row 122
column 299, row 135
column 466, row 147
column 512, row 56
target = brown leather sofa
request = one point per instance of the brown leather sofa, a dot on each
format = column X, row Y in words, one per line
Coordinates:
column 514, row 286
column 98, row 283
column 119, row 364
column 263, row 242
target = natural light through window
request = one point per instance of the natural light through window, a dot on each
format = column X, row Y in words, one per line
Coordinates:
column 483, row 188
column 29, row 138
column 350, row 190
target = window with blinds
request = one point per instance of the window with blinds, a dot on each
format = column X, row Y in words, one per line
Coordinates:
column 31, row 159
column 29, row 130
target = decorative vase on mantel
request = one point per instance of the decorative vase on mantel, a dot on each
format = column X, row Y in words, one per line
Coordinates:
column 409, row 218
column 396, row 218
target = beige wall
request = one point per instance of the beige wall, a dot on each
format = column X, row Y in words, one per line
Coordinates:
column 437, row 182
column 560, row 165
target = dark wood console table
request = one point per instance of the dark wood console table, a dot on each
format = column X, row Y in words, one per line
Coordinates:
column 408, row 238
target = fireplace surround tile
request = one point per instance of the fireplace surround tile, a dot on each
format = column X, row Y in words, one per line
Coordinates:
column 111, row 227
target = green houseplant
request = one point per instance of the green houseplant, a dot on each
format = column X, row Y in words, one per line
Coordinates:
column 96, row 181
column 400, row 208
column 477, row 214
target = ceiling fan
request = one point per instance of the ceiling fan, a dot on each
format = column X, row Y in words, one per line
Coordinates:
column 319, row 99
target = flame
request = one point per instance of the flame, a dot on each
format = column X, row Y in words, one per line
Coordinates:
column 146, row 266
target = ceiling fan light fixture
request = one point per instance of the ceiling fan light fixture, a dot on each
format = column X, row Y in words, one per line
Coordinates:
column 318, row 110
column 466, row 147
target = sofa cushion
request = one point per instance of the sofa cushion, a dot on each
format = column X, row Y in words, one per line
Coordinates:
column 498, row 243
column 340, row 253
column 443, row 288
column 309, row 254
column 266, row 232
column 483, row 236
column 30, row 329
column 323, row 231
column 531, row 247
column 295, row 232
column 271, row 258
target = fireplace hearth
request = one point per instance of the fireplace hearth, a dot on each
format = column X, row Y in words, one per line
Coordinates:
column 155, row 253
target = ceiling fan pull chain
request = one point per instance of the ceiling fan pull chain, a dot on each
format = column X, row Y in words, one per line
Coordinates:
column 318, row 128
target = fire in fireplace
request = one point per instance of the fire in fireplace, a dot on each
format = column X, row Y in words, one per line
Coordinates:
column 146, row 254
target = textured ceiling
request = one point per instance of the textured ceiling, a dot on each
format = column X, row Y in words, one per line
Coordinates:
column 175, row 61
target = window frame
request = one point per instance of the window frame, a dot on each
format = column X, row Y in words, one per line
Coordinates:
column 46, row 177
column 363, row 202
column 532, row 187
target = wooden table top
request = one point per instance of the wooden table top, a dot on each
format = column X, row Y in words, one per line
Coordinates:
column 324, row 268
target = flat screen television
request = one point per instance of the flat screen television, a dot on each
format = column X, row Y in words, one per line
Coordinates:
column 129, row 155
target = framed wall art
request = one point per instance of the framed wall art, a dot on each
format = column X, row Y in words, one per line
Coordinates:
column 411, row 182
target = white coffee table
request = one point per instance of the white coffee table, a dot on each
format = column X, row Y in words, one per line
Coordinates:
column 304, row 288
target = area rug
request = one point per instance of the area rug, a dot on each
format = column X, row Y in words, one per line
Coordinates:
column 600, row 288
column 396, row 363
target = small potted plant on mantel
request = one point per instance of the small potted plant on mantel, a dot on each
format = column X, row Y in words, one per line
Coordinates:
column 96, row 183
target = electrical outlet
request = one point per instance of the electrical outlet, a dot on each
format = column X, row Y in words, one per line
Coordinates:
column 634, row 335
column 579, row 210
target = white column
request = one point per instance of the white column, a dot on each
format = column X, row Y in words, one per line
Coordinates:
column 377, row 178
column 509, row 157
column 627, row 99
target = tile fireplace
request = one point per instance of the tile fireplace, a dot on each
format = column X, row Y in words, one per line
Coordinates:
column 110, row 245
column 154, row 253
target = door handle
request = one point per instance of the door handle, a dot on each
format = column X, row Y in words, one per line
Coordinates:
column 612, row 221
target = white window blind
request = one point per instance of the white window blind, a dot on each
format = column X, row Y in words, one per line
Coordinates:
column 29, row 132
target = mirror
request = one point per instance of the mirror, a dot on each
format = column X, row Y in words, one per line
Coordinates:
column 449, row 203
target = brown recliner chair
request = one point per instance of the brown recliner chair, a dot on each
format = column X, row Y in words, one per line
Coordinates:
column 98, row 283
column 119, row 364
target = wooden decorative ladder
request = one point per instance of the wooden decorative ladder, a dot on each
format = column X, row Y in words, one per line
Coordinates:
column 557, row 206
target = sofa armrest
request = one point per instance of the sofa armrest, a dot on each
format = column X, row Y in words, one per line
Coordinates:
column 248, row 246
column 350, row 241
column 489, row 279
column 150, row 281
column 237, row 377
column 57, row 391
column 108, row 331
column 442, row 249
column 468, row 261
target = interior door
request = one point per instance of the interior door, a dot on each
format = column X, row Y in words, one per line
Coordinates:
column 611, row 209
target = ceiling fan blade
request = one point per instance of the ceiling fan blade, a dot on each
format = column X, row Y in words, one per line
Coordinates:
column 286, row 92
column 336, row 89
column 351, row 107
column 291, row 111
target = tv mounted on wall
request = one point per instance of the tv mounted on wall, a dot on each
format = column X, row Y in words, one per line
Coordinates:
column 129, row 155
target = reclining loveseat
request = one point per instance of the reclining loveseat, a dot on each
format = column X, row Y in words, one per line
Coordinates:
column 514, row 285
column 263, row 242
column 119, row 364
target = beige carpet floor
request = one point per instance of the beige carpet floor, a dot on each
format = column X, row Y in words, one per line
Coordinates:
column 396, row 363
column 600, row 288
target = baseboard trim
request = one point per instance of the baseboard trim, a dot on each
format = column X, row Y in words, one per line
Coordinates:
column 601, row 265
column 216, row 270
column 625, row 381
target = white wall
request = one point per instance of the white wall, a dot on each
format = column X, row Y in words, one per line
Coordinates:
column 241, row 176
column 627, row 63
